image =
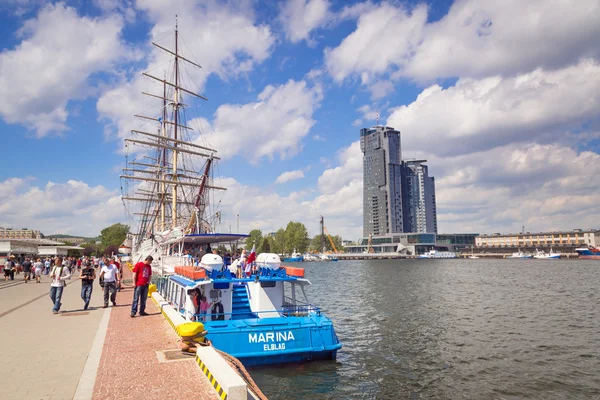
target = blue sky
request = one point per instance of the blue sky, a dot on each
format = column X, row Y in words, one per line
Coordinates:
column 502, row 99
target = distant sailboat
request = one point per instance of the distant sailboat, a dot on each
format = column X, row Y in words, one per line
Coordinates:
column 473, row 256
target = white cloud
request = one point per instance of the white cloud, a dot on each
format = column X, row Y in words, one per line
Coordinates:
column 318, row 138
column 384, row 36
column 480, row 39
column 124, row 7
column 476, row 115
column 350, row 169
column 72, row 207
column 381, row 89
column 289, row 176
column 273, row 125
column 543, row 187
column 59, row 51
column 475, row 39
column 299, row 17
column 223, row 38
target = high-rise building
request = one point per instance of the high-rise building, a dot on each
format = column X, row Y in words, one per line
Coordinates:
column 418, row 198
column 398, row 196
column 382, row 180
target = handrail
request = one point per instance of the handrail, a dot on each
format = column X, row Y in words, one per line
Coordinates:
column 317, row 310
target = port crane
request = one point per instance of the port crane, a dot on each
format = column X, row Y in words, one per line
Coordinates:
column 323, row 232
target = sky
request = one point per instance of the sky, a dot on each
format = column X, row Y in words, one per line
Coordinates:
column 501, row 98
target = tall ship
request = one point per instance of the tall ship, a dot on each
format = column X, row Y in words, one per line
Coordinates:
column 168, row 180
column 262, row 314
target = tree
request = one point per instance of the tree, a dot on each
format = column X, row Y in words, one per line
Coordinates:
column 88, row 250
column 73, row 253
column 265, row 245
column 278, row 242
column 110, row 250
column 296, row 237
column 114, row 235
column 254, row 238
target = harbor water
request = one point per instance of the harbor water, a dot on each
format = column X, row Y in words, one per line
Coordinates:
column 452, row 329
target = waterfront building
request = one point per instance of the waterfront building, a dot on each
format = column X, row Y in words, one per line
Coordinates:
column 418, row 198
column 382, row 180
column 9, row 233
column 413, row 243
column 574, row 238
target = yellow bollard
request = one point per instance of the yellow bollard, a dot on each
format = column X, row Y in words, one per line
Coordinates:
column 151, row 289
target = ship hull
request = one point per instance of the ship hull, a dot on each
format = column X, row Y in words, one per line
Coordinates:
column 590, row 257
column 267, row 341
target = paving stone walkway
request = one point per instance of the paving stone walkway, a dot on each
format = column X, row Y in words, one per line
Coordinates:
column 130, row 368
column 44, row 356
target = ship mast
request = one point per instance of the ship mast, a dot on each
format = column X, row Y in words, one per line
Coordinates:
column 175, row 115
column 164, row 156
column 167, row 174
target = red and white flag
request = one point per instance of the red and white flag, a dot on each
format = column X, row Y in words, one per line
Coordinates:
column 252, row 255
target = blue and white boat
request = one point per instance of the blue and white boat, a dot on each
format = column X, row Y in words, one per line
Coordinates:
column 295, row 257
column 588, row 253
column 542, row 255
column 263, row 319
column 520, row 254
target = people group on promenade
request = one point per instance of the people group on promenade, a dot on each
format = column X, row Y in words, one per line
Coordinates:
column 107, row 270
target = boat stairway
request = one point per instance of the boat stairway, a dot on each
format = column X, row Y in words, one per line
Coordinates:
column 240, row 308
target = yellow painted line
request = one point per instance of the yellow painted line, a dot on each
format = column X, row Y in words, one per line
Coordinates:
column 211, row 378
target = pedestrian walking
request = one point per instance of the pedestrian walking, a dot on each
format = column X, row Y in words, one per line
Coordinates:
column 117, row 262
column 110, row 274
column 87, row 276
column 9, row 269
column 26, row 270
column 47, row 265
column 37, row 268
column 59, row 275
column 142, row 272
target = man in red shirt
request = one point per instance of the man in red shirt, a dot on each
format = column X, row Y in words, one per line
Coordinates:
column 142, row 272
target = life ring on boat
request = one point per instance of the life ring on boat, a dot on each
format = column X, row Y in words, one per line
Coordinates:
column 217, row 312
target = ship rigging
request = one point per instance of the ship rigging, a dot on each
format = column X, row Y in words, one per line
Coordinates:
column 169, row 185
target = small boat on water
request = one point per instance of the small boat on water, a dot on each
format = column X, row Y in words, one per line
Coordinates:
column 520, row 254
column 295, row 257
column 259, row 319
column 542, row 255
column 473, row 256
column 438, row 254
column 590, row 253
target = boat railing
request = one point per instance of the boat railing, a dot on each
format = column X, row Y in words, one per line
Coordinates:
column 298, row 311
column 177, row 260
column 296, row 307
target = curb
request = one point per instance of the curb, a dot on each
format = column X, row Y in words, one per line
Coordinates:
column 231, row 385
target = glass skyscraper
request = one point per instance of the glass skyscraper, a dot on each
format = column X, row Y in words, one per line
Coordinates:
column 397, row 196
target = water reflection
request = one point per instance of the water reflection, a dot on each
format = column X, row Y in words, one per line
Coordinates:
column 451, row 329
